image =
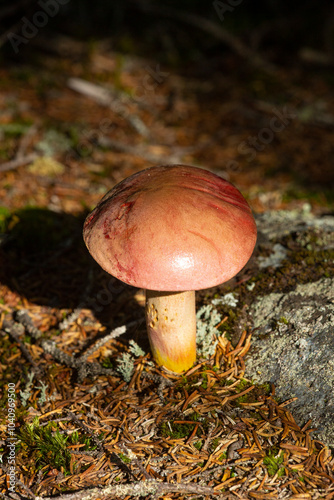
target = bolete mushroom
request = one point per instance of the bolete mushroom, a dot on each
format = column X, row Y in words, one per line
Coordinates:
column 172, row 230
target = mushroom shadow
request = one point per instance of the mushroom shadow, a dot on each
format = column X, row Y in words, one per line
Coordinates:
column 45, row 260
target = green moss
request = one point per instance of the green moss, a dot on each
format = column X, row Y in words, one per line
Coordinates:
column 107, row 363
column 175, row 431
column 180, row 431
column 124, row 458
column 44, row 445
column 14, row 129
column 273, row 462
column 265, row 388
column 228, row 335
column 243, row 399
column 204, row 383
column 198, row 445
column 88, row 442
column 75, row 437
column 309, row 259
column 259, row 391
column 242, row 385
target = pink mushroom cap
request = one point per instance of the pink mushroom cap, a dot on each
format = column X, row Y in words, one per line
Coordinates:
column 172, row 228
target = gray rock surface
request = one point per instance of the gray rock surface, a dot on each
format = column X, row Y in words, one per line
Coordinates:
column 293, row 337
column 275, row 224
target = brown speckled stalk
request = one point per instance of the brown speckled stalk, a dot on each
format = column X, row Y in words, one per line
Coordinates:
column 171, row 328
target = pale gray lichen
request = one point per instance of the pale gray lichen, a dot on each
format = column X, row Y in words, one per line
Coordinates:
column 43, row 397
column 206, row 337
column 275, row 224
column 275, row 259
column 229, row 299
column 53, row 142
column 25, row 395
column 135, row 349
column 126, row 366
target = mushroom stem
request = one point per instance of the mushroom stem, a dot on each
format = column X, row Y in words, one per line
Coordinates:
column 171, row 328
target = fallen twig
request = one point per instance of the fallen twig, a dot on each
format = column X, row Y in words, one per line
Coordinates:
column 24, row 319
column 18, row 162
column 71, row 318
column 99, row 444
column 80, row 363
column 12, row 331
column 101, row 342
column 49, row 347
column 21, row 158
column 141, row 152
column 86, row 430
column 24, row 142
column 137, row 489
column 104, row 97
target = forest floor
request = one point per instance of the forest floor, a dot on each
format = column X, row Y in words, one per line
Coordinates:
column 92, row 411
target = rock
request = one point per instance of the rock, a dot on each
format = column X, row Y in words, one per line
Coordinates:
column 293, row 337
column 275, row 224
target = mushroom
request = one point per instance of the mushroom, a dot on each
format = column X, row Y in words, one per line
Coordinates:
column 171, row 230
